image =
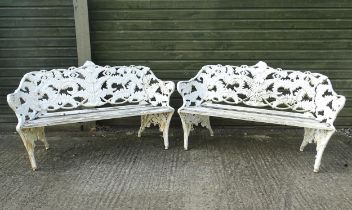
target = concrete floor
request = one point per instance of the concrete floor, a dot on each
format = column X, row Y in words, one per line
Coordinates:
column 236, row 169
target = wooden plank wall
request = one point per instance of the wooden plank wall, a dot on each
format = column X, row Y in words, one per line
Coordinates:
column 34, row 35
column 175, row 38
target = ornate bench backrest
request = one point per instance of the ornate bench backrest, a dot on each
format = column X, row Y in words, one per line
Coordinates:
column 87, row 86
column 263, row 86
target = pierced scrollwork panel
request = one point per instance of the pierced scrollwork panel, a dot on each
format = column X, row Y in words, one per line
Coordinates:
column 195, row 120
column 328, row 103
column 90, row 86
column 193, row 92
column 160, row 120
column 87, row 86
column 263, row 86
column 158, row 92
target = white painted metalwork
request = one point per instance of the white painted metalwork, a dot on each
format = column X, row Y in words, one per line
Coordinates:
column 302, row 99
column 77, row 95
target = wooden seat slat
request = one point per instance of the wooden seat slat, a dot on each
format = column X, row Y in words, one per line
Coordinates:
column 249, row 115
column 102, row 114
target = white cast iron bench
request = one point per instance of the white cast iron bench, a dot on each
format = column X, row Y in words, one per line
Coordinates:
column 89, row 93
column 242, row 92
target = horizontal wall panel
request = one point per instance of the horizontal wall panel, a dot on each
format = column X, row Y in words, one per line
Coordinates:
column 34, row 35
column 8, row 118
column 216, row 14
column 214, row 4
column 224, row 54
column 346, row 112
column 4, row 91
column 176, row 38
column 35, row 3
column 41, row 32
column 212, row 25
column 171, row 69
column 5, row 109
column 28, row 42
column 32, row 12
column 123, row 45
column 257, row 34
column 38, row 63
column 11, row 22
column 38, row 52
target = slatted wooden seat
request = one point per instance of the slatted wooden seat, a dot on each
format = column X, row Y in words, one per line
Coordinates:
column 257, row 115
column 294, row 98
column 94, row 115
column 89, row 93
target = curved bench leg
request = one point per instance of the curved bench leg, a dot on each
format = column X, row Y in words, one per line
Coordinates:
column 162, row 120
column 41, row 136
column 322, row 138
column 29, row 136
column 208, row 126
column 165, row 129
column 309, row 135
column 190, row 120
column 143, row 125
column 187, row 127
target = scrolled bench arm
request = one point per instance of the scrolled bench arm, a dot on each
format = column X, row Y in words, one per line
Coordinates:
column 24, row 104
column 158, row 92
column 14, row 104
column 328, row 103
column 192, row 91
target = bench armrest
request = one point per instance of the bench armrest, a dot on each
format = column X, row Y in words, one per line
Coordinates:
column 159, row 92
column 24, row 105
column 192, row 91
column 328, row 103
column 337, row 104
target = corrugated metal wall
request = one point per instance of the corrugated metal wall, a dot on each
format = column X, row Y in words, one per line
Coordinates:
column 175, row 38
column 34, row 35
